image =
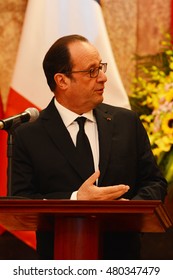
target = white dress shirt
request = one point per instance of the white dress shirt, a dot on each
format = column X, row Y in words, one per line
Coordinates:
column 72, row 126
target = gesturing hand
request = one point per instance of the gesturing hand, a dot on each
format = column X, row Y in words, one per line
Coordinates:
column 88, row 191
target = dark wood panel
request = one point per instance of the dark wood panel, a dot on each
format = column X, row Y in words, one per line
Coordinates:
column 145, row 216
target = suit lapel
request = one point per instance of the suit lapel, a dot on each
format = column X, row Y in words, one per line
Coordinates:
column 105, row 129
column 61, row 137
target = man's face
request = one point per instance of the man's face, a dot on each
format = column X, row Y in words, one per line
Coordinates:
column 85, row 93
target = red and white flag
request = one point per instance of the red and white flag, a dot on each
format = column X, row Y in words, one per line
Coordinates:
column 3, row 153
column 46, row 21
column 3, row 139
column 171, row 21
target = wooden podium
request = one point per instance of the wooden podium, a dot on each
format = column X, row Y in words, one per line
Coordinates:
column 78, row 225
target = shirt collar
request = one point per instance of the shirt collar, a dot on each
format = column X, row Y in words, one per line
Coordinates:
column 69, row 117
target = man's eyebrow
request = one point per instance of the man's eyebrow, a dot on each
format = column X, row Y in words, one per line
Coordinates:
column 94, row 64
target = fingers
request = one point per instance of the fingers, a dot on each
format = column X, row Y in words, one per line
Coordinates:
column 89, row 191
column 117, row 188
column 91, row 180
column 114, row 192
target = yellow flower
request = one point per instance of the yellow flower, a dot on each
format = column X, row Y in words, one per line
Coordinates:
column 156, row 152
column 167, row 123
column 152, row 96
column 169, row 93
column 171, row 65
column 164, row 143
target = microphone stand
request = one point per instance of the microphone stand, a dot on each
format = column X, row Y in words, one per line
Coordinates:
column 9, row 125
column 10, row 142
column 10, row 159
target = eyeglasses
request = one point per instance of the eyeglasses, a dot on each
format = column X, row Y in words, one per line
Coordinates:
column 94, row 72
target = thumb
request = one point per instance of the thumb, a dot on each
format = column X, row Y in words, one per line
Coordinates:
column 91, row 180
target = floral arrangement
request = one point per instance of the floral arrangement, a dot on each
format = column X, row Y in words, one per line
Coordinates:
column 152, row 97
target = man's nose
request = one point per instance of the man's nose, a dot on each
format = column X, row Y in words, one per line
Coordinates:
column 102, row 77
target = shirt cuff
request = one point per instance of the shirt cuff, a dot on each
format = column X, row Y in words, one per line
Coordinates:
column 74, row 196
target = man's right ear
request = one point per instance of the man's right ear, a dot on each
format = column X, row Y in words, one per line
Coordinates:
column 61, row 80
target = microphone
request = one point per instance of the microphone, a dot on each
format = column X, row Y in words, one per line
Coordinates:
column 30, row 114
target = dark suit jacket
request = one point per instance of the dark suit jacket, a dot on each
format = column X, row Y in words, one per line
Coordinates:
column 46, row 164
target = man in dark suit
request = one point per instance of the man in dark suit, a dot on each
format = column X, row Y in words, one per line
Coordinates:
column 46, row 163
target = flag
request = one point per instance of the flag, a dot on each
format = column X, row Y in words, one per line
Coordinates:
column 45, row 21
column 171, row 20
column 2, row 159
column 3, row 153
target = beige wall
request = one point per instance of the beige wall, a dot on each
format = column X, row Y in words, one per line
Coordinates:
column 11, row 19
column 133, row 26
